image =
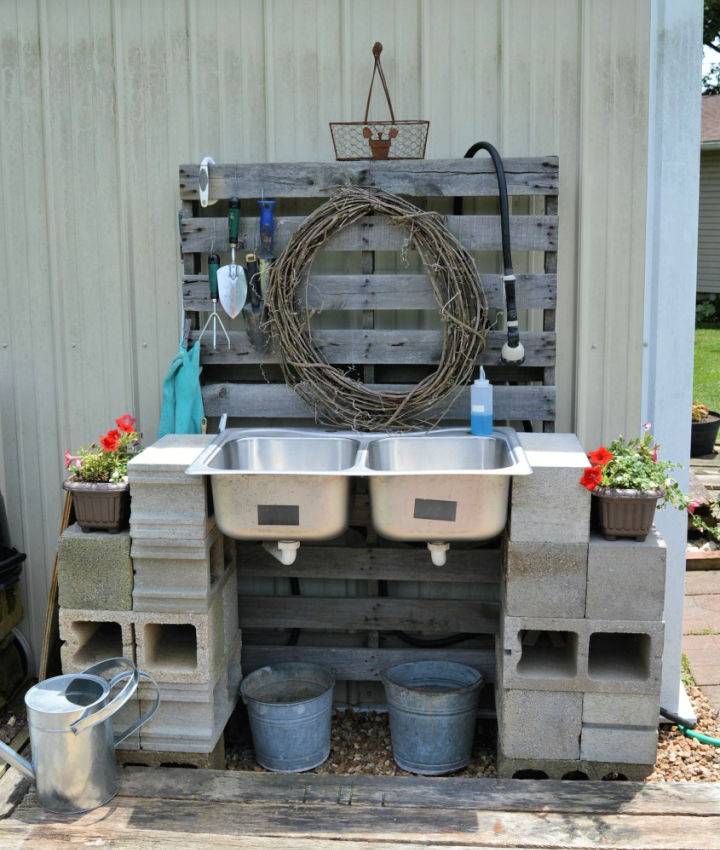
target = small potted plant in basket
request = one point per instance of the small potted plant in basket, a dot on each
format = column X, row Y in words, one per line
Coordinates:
column 705, row 424
column 628, row 483
column 97, row 478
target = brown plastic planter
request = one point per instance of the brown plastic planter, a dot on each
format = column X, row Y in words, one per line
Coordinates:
column 625, row 513
column 100, row 507
column 704, row 434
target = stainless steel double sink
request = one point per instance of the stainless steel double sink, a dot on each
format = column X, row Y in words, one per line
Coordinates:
column 276, row 484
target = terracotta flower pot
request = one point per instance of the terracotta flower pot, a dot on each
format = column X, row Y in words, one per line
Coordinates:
column 704, row 434
column 100, row 506
column 625, row 513
column 380, row 148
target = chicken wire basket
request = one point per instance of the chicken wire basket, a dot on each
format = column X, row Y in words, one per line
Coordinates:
column 379, row 139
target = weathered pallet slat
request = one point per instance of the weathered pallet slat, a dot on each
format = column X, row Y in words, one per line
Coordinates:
column 389, row 292
column 374, row 233
column 270, row 401
column 365, row 665
column 374, row 346
column 148, row 822
column 698, row 799
column 430, row 178
column 333, row 614
column 472, row 566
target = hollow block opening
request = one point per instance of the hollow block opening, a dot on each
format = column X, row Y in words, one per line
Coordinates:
column 171, row 646
column 551, row 654
column 575, row 774
column 529, row 773
column 96, row 641
column 622, row 656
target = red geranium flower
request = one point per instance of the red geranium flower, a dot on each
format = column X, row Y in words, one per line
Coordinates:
column 110, row 441
column 591, row 477
column 600, row 456
column 125, row 423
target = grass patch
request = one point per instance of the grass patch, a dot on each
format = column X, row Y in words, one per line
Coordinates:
column 686, row 675
column 706, row 379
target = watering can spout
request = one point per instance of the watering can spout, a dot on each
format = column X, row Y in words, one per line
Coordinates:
column 16, row 760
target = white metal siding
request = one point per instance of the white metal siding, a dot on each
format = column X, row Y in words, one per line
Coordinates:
column 708, row 270
column 100, row 100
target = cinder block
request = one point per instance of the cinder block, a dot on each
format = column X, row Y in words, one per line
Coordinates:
column 183, row 582
column 626, row 579
column 169, row 533
column 532, row 724
column 95, row 570
column 186, row 647
column 622, row 709
column 167, row 504
column 523, row 768
column 90, row 636
column 544, row 579
column 192, row 720
column 170, row 543
column 620, row 727
column 168, row 458
column 176, row 503
column 631, row 745
column 551, row 506
column 594, row 656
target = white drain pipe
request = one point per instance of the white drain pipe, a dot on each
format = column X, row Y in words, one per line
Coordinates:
column 284, row 551
column 438, row 552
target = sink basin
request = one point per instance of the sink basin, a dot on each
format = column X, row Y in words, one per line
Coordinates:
column 442, row 487
column 290, row 485
column 279, row 486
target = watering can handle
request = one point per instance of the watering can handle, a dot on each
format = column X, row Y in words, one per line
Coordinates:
column 132, row 675
column 149, row 714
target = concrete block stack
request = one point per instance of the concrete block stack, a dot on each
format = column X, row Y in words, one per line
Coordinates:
column 165, row 594
column 579, row 652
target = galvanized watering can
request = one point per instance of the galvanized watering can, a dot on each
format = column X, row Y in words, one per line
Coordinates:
column 71, row 735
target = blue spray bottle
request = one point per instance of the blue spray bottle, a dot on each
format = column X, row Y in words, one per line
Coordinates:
column 481, row 406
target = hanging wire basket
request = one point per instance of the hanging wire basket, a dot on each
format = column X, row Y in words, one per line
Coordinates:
column 379, row 139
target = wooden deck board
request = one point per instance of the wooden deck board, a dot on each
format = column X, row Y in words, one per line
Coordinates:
column 162, row 807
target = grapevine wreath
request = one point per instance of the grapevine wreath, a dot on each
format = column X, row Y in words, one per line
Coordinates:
column 337, row 398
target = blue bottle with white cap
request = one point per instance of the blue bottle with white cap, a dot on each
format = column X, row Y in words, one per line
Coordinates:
column 481, row 406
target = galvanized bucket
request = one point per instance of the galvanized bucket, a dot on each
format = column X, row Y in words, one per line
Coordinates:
column 433, row 707
column 290, row 710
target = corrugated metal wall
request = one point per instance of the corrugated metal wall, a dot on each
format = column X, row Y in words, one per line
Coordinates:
column 708, row 270
column 100, row 100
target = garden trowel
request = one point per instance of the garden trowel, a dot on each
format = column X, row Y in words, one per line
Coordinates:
column 232, row 284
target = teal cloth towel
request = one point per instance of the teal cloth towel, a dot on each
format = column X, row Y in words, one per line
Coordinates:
column 182, row 406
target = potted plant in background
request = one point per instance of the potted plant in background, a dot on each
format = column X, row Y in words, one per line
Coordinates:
column 705, row 424
column 628, row 483
column 97, row 478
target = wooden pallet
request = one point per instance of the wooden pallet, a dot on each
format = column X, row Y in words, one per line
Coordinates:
column 188, row 809
column 360, row 281
column 245, row 381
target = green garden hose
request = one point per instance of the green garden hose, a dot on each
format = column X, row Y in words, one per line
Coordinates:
column 687, row 728
column 704, row 739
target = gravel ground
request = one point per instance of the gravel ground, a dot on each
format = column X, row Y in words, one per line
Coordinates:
column 681, row 758
column 361, row 744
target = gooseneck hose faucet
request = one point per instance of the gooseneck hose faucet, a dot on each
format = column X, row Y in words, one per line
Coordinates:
column 513, row 351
